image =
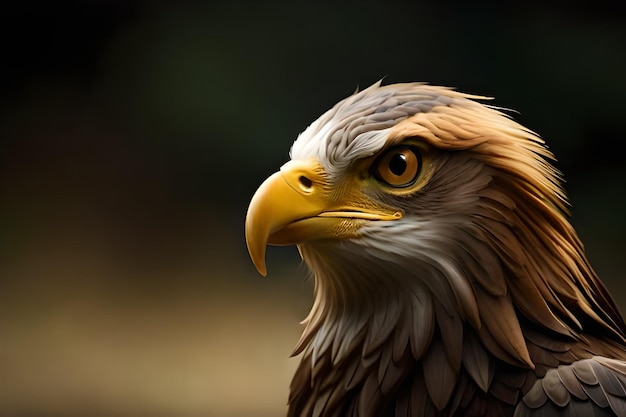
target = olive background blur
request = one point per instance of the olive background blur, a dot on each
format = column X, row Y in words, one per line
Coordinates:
column 133, row 134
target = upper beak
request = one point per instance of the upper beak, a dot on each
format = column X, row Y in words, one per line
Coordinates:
column 295, row 205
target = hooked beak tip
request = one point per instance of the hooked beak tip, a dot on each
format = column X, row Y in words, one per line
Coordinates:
column 259, row 263
column 256, row 247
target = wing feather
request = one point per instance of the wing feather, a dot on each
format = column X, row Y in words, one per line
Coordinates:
column 370, row 397
column 477, row 362
column 421, row 403
column 500, row 318
column 571, row 382
column 422, row 324
column 451, row 330
column 597, row 395
column 383, row 323
column 401, row 338
column 584, row 388
column 439, row 375
column 555, row 390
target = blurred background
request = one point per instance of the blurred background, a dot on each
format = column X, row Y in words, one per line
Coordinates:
column 133, row 134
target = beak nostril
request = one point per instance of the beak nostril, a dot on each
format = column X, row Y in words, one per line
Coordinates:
column 306, row 183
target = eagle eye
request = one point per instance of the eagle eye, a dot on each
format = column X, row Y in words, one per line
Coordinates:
column 399, row 166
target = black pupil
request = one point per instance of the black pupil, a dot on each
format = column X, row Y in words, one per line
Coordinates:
column 397, row 164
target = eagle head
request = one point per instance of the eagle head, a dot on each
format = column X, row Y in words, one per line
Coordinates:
column 436, row 231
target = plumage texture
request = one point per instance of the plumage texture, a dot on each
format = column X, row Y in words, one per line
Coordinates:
column 479, row 301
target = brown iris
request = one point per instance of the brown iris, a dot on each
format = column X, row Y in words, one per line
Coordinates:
column 399, row 166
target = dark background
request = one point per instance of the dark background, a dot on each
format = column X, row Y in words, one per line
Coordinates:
column 133, row 134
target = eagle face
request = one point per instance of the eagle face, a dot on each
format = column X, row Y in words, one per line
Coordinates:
column 448, row 279
column 359, row 171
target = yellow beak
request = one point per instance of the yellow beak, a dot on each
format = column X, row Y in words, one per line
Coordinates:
column 297, row 204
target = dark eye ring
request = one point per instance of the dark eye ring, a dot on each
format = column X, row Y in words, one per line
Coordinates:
column 399, row 166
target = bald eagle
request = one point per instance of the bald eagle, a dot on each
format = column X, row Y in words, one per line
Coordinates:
column 448, row 280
